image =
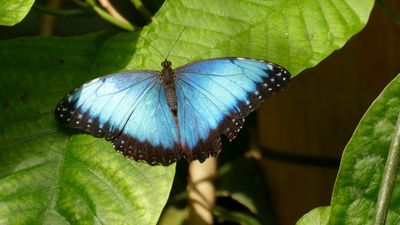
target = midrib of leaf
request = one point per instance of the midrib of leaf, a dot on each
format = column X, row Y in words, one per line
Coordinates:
column 288, row 37
column 307, row 33
column 89, row 203
column 343, row 21
column 26, row 138
column 114, row 191
column 53, row 190
column 26, row 169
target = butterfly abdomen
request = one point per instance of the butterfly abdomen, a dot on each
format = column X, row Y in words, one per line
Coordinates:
column 171, row 96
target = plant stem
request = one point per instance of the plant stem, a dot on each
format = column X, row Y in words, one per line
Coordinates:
column 81, row 4
column 112, row 11
column 201, row 191
column 106, row 16
column 61, row 12
column 389, row 177
column 48, row 21
column 142, row 9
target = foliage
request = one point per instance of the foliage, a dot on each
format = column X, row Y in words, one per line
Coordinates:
column 363, row 163
column 13, row 11
column 48, row 175
column 52, row 175
column 357, row 185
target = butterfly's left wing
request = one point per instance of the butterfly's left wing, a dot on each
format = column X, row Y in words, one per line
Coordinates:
column 215, row 95
column 128, row 108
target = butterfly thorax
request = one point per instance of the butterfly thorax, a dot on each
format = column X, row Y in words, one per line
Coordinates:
column 167, row 73
column 168, row 79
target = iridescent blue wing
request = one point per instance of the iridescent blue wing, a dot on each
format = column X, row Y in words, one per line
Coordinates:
column 128, row 108
column 215, row 95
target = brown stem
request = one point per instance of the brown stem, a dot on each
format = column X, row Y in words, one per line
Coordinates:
column 49, row 21
column 201, row 191
column 110, row 8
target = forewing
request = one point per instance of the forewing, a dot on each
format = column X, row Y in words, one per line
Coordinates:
column 128, row 108
column 215, row 95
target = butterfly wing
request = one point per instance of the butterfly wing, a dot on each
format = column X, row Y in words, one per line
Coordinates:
column 215, row 95
column 130, row 109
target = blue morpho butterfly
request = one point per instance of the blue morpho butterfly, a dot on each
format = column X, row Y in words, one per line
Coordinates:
column 160, row 116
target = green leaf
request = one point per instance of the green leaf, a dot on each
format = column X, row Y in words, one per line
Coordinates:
column 13, row 11
column 318, row 216
column 48, row 177
column 296, row 34
column 360, row 174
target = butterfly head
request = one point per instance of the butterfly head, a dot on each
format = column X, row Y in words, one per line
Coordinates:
column 167, row 72
column 166, row 63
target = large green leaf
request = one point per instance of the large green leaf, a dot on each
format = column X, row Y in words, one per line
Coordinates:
column 13, row 11
column 297, row 34
column 361, row 169
column 47, row 177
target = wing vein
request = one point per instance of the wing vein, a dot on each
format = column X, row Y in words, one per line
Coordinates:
column 199, row 87
column 120, row 90
column 139, row 102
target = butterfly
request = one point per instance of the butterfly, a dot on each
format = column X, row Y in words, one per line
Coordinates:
column 160, row 116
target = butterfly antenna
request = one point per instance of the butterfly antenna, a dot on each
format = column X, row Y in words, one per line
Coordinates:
column 153, row 47
column 176, row 40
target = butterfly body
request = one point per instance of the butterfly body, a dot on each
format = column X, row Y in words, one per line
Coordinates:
column 168, row 78
column 160, row 116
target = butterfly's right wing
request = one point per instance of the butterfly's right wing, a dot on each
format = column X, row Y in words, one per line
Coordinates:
column 215, row 95
column 128, row 108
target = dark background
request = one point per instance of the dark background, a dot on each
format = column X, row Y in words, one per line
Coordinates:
column 318, row 113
